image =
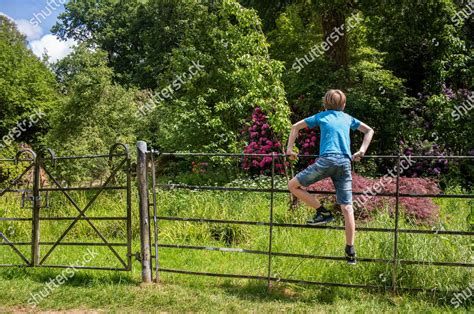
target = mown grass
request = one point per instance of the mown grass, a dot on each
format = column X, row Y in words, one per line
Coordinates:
column 120, row 291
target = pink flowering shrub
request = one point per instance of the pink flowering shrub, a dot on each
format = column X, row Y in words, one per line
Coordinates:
column 308, row 144
column 260, row 139
column 423, row 210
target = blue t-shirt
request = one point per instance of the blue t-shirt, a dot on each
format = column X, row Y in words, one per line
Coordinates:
column 335, row 129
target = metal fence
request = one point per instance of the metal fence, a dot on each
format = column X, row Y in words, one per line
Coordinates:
column 119, row 162
column 150, row 249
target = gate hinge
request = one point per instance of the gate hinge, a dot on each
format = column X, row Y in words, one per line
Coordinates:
column 138, row 256
column 132, row 170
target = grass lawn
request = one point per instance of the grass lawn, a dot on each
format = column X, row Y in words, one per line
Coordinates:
column 121, row 292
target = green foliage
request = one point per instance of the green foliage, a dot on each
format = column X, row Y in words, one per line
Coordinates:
column 423, row 45
column 26, row 85
column 115, row 27
column 377, row 97
column 95, row 113
column 395, row 66
column 207, row 112
column 165, row 38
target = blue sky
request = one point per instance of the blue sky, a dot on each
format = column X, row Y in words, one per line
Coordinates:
column 34, row 18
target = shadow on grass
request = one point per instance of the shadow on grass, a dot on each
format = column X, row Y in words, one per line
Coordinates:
column 81, row 278
column 258, row 291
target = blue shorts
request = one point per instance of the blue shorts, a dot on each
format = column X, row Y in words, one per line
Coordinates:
column 335, row 166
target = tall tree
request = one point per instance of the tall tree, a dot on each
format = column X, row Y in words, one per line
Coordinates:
column 223, row 43
column 94, row 112
column 27, row 88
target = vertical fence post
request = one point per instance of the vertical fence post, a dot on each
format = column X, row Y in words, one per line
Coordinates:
column 129, row 212
column 155, row 219
column 270, row 242
column 35, row 234
column 395, row 233
column 144, row 217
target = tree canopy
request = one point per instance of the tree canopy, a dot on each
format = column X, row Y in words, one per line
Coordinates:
column 27, row 87
column 187, row 75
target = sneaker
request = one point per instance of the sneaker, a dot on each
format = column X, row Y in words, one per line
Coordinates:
column 350, row 255
column 322, row 216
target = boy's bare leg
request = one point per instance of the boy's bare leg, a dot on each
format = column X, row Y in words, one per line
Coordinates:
column 295, row 188
column 349, row 221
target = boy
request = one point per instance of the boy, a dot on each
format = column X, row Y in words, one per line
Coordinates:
column 334, row 162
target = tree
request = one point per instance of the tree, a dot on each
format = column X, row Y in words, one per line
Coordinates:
column 221, row 39
column 268, row 10
column 94, row 113
column 423, row 45
column 27, row 88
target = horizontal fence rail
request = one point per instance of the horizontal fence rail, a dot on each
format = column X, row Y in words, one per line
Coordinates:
column 394, row 260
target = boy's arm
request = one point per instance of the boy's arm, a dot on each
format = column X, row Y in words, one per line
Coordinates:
column 369, row 133
column 293, row 135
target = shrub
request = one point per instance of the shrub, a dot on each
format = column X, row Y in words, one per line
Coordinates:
column 427, row 167
column 308, row 144
column 422, row 210
column 261, row 140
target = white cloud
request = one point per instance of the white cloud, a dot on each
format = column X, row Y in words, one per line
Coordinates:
column 32, row 32
column 54, row 48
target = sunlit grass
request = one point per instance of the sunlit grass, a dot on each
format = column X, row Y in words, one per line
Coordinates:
column 121, row 287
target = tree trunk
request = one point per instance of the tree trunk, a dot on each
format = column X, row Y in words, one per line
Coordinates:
column 333, row 22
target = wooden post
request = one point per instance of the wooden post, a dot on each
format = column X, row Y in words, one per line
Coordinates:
column 35, row 232
column 144, row 217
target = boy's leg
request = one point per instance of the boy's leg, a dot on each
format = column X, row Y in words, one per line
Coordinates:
column 314, row 173
column 349, row 221
column 343, row 183
column 295, row 188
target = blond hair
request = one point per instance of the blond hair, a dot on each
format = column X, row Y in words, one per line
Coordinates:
column 334, row 99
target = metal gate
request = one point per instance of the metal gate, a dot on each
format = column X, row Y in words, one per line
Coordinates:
column 150, row 249
column 36, row 252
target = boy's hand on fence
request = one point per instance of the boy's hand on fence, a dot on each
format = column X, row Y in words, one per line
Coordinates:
column 358, row 156
column 292, row 155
